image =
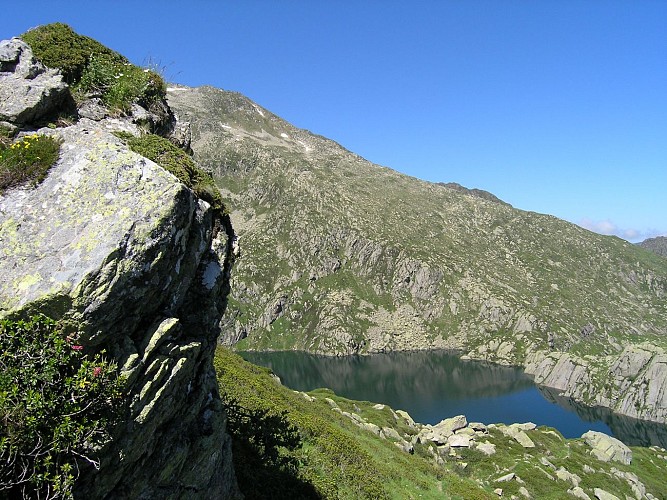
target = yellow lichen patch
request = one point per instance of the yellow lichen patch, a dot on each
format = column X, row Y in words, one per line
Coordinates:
column 12, row 244
column 27, row 281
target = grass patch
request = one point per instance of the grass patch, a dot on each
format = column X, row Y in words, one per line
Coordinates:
column 119, row 84
column 6, row 136
column 27, row 161
column 176, row 161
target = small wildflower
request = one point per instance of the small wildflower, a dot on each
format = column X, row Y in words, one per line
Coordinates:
column 77, row 347
column 97, row 370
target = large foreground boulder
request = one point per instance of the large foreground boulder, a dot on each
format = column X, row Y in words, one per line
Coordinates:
column 118, row 245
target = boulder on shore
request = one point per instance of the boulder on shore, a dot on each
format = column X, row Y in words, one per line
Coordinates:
column 607, row 448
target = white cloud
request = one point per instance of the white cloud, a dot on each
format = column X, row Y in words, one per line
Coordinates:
column 608, row 227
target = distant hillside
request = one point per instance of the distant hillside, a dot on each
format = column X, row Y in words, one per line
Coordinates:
column 657, row 245
column 480, row 193
column 338, row 256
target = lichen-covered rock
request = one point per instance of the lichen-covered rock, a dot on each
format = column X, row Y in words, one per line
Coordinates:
column 408, row 419
column 28, row 90
column 115, row 243
column 564, row 475
column 440, row 432
column 93, row 109
column 601, row 494
column 459, row 441
column 450, row 425
column 578, row 492
column 487, row 448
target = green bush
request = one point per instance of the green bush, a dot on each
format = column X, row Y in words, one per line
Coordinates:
column 266, row 433
column 176, row 161
column 58, row 46
column 57, row 404
column 27, row 160
column 93, row 69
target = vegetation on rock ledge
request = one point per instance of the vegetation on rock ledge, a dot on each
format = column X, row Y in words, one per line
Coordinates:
column 27, row 160
column 57, row 404
column 176, row 161
column 93, row 69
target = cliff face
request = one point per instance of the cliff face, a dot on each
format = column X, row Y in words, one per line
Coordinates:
column 116, row 244
column 341, row 256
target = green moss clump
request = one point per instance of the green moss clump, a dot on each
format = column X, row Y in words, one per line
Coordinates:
column 58, row 46
column 27, row 160
column 176, row 161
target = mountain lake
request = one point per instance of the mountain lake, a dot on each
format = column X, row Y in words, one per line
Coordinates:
column 433, row 385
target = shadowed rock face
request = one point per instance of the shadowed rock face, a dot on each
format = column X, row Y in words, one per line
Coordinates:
column 28, row 91
column 340, row 256
column 116, row 244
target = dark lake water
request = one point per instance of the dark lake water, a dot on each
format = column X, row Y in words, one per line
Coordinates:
column 434, row 385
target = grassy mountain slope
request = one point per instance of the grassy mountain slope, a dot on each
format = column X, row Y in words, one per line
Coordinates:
column 338, row 255
column 343, row 454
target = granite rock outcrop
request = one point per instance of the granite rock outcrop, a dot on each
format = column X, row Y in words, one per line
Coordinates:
column 115, row 244
column 29, row 91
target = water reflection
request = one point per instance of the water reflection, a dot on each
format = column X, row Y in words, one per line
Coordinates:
column 631, row 431
column 433, row 385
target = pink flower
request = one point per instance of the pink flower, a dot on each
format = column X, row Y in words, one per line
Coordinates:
column 77, row 347
column 97, row 370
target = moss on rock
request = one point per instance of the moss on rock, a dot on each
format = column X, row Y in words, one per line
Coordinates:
column 176, row 161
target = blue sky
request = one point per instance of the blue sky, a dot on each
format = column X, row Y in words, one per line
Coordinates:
column 557, row 107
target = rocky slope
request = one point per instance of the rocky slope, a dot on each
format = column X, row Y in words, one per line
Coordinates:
column 342, row 256
column 657, row 245
column 381, row 452
column 115, row 244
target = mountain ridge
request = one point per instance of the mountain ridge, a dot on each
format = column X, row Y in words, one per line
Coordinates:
column 340, row 256
column 657, row 245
